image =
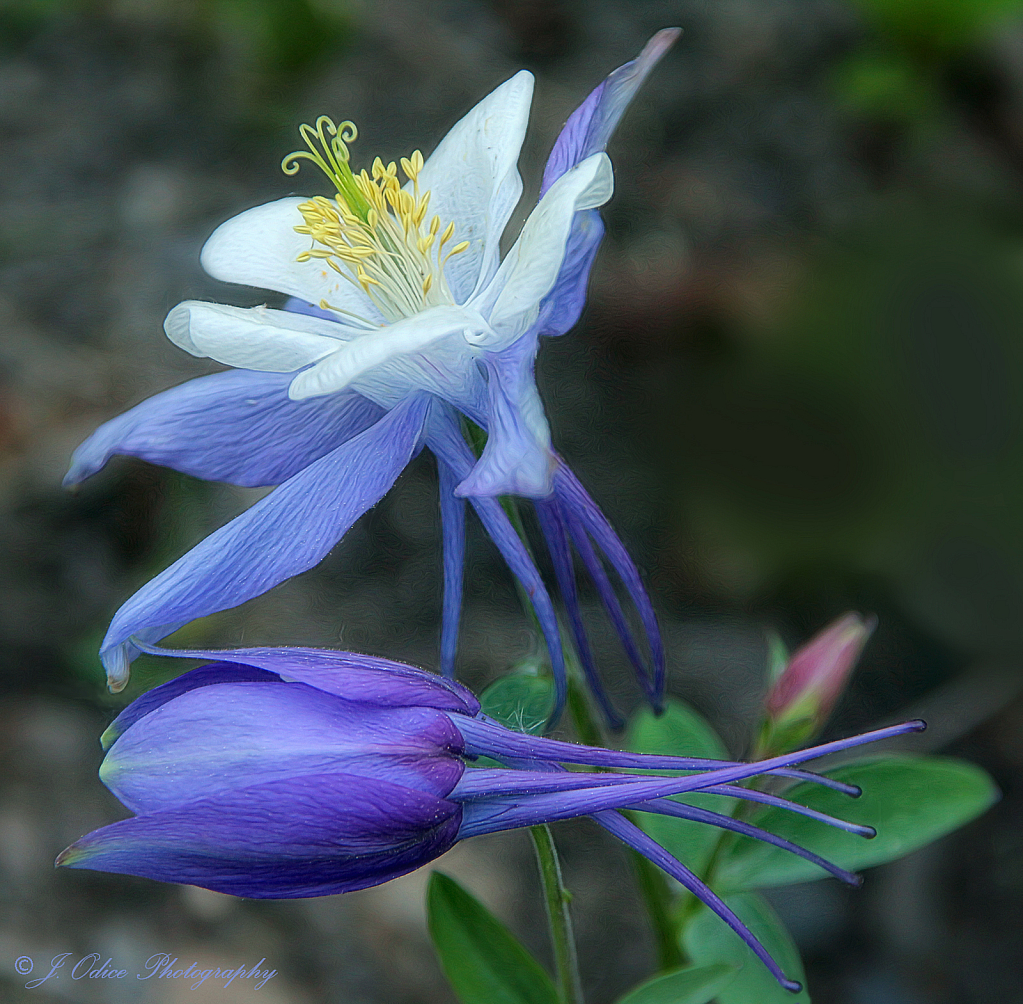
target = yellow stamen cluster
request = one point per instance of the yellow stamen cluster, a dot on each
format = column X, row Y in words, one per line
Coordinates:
column 373, row 232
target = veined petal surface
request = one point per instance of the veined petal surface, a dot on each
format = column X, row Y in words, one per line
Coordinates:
column 587, row 132
column 285, row 533
column 474, row 181
column 528, row 273
column 239, row 426
column 254, row 338
column 591, row 125
column 452, row 520
column 404, row 337
column 194, row 679
column 256, row 732
column 367, row 679
column 562, row 306
column 260, row 248
column 447, row 368
column 305, row 836
column 517, row 458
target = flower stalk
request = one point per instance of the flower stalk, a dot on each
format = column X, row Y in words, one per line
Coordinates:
column 556, row 901
column 660, row 908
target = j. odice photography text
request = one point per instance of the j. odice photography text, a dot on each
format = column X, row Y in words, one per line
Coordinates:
column 161, row 966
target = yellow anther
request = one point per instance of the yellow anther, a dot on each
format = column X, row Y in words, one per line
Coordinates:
column 371, row 232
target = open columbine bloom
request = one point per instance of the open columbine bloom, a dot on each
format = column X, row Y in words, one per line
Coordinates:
column 338, row 771
column 402, row 317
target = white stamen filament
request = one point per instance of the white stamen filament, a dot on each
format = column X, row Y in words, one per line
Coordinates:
column 372, row 232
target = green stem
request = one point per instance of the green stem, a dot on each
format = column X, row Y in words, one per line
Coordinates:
column 653, row 886
column 557, row 898
column 659, row 902
column 691, row 905
column 510, row 506
column 657, row 894
column 586, row 727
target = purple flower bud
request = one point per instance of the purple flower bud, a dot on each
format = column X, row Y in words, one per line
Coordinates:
column 285, row 773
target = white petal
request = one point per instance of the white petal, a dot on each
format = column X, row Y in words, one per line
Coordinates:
column 448, row 369
column 411, row 335
column 259, row 248
column 529, row 271
column 474, row 181
column 254, row 338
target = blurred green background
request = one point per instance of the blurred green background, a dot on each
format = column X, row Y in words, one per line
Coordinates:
column 797, row 390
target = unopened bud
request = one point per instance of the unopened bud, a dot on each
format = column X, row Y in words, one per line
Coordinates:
column 803, row 694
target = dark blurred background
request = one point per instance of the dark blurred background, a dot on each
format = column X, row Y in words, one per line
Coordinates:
column 797, row 390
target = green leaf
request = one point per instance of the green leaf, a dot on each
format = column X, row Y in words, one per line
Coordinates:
column 484, row 962
column 692, row 985
column 520, row 701
column 708, row 939
column 909, row 800
column 680, row 731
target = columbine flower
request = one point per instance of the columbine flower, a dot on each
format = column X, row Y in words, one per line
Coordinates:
column 402, row 318
column 811, row 680
column 337, row 771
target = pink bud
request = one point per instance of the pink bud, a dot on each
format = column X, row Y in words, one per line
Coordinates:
column 816, row 674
